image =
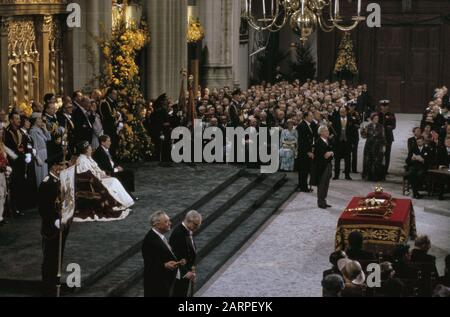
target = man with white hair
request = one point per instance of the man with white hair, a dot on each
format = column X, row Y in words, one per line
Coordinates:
column 323, row 155
column 161, row 266
column 183, row 245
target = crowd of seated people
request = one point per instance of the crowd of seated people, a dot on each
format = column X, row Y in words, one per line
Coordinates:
column 402, row 273
column 429, row 147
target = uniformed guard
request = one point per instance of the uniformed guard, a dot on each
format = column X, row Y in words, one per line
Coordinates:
column 50, row 211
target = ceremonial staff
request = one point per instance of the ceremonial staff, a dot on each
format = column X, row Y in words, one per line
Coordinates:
column 59, row 275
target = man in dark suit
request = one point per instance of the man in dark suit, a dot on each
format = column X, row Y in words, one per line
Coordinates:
column 183, row 245
column 355, row 249
column 420, row 255
column 158, row 118
column 342, row 124
column 418, row 162
column 81, row 119
column 388, row 120
column 306, row 136
column 77, row 96
column 412, row 142
column 355, row 125
column 64, row 116
column 323, row 155
column 109, row 115
column 49, row 210
column 161, row 266
column 106, row 162
column 234, row 109
column 364, row 104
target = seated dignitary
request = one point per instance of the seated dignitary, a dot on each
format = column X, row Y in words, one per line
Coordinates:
column 106, row 163
column 183, row 245
column 418, row 163
column 99, row 196
column 161, row 267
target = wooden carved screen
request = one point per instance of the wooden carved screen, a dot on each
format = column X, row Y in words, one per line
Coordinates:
column 23, row 61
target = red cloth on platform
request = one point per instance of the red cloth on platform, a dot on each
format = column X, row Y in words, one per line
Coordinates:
column 377, row 230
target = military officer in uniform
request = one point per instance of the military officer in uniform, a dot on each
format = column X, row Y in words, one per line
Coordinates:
column 49, row 210
column 388, row 120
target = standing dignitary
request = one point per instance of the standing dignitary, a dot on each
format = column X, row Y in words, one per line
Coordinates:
column 323, row 156
column 388, row 120
column 182, row 242
column 110, row 118
column 14, row 140
column 342, row 124
column 356, row 121
column 158, row 118
column 160, row 262
column 81, row 119
column 50, row 211
column 306, row 137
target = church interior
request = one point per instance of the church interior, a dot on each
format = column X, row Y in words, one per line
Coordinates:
column 119, row 178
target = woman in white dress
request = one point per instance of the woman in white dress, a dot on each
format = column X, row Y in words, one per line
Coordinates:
column 111, row 200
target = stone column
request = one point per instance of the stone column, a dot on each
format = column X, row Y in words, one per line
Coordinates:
column 87, row 59
column 167, row 52
column 43, row 34
column 92, row 31
column 4, row 68
column 221, row 20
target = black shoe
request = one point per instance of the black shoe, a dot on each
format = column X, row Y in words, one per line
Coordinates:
column 348, row 178
column 323, row 207
column 329, row 206
column 418, row 196
column 335, row 178
column 307, row 191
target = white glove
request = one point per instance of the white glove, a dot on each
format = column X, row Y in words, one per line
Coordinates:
column 34, row 152
column 8, row 171
column 57, row 224
column 163, row 137
column 28, row 158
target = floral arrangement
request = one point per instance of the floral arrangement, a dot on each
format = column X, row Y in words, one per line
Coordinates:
column 195, row 32
column 121, row 72
column 346, row 61
column 25, row 109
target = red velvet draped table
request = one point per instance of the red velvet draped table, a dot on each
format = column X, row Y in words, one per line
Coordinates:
column 381, row 234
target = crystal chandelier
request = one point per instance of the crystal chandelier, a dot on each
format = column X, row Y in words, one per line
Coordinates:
column 303, row 16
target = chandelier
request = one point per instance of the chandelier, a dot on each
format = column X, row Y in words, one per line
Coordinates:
column 303, row 16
